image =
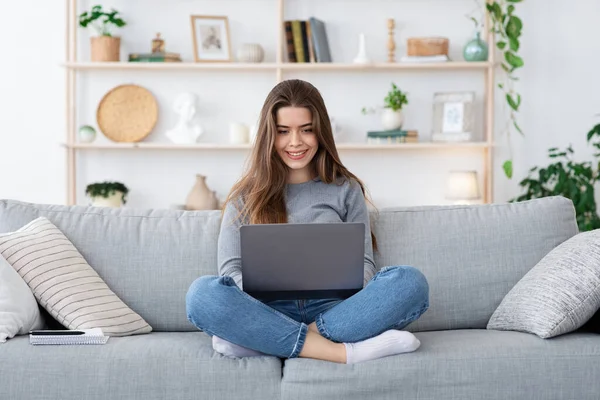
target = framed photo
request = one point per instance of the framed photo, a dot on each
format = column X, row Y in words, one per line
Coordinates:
column 210, row 36
column 453, row 116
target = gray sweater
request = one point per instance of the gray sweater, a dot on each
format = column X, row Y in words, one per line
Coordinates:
column 308, row 202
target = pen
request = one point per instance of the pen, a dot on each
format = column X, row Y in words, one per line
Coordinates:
column 49, row 333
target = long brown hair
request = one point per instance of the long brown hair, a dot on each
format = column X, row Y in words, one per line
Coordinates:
column 261, row 189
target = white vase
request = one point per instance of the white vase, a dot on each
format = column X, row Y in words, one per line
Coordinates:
column 114, row 200
column 251, row 53
column 391, row 119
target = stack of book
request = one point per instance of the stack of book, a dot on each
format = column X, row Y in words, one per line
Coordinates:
column 306, row 41
column 392, row 137
column 159, row 56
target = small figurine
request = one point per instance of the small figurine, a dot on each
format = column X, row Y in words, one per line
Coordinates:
column 391, row 43
column 186, row 131
column 158, row 44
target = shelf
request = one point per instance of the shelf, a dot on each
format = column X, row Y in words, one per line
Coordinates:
column 384, row 66
column 453, row 65
column 227, row 146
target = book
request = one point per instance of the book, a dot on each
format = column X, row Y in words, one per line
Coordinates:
column 154, row 57
column 392, row 136
column 320, row 41
column 425, row 59
column 90, row 336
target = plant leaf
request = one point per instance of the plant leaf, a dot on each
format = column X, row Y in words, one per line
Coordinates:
column 514, row 44
column 511, row 102
column 518, row 128
column 501, row 45
column 513, row 27
column 510, row 9
column 508, row 168
column 514, row 60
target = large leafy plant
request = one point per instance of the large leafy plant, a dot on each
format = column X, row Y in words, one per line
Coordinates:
column 507, row 27
column 568, row 178
column 100, row 20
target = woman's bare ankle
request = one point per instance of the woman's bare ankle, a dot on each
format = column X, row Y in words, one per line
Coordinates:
column 317, row 347
column 313, row 327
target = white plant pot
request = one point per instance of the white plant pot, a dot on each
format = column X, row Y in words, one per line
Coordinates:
column 391, row 120
column 113, row 200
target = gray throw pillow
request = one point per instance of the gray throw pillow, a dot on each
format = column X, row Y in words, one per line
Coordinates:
column 559, row 295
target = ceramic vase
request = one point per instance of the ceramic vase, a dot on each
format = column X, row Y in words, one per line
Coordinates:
column 251, row 53
column 114, row 200
column 476, row 49
column 391, row 119
column 201, row 197
column 87, row 134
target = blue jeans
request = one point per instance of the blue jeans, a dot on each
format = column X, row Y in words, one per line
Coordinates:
column 392, row 299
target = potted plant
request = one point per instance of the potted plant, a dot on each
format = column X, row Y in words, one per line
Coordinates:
column 105, row 46
column 107, row 194
column 570, row 179
column 392, row 117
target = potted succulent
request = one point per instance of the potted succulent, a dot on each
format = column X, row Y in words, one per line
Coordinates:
column 107, row 194
column 392, row 116
column 104, row 46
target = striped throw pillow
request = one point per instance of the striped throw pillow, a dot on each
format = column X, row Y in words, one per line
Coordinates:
column 64, row 283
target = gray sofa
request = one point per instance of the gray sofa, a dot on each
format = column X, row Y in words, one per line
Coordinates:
column 471, row 255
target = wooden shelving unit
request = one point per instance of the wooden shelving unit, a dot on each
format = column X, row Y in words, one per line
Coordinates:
column 97, row 66
column 226, row 146
column 73, row 67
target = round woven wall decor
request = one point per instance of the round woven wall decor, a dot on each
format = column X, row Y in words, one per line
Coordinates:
column 127, row 113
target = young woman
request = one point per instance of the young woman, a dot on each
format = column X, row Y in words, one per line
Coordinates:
column 296, row 176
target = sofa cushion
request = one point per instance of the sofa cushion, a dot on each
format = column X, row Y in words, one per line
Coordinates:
column 472, row 256
column 148, row 258
column 458, row 365
column 179, row 365
column 19, row 312
column 559, row 295
column 63, row 282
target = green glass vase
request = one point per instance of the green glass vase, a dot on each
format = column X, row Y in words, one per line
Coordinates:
column 476, row 49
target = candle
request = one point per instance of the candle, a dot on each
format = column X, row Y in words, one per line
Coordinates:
column 238, row 133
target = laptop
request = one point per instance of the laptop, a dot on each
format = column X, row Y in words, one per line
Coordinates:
column 302, row 261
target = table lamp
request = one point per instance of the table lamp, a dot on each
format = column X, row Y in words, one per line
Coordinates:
column 462, row 187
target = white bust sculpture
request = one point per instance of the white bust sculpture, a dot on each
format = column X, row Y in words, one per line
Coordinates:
column 186, row 131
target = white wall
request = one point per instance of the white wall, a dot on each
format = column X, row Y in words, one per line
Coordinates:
column 558, row 87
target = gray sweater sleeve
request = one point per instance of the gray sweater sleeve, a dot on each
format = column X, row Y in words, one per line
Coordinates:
column 229, row 256
column 357, row 211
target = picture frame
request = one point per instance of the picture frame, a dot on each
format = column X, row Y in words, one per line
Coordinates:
column 453, row 116
column 211, row 39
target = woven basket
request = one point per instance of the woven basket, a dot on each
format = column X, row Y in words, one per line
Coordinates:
column 127, row 113
column 427, row 46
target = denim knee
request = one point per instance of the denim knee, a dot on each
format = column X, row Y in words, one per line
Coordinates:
column 412, row 282
column 199, row 297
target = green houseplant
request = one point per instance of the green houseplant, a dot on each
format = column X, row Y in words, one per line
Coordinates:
column 104, row 46
column 393, row 103
column 107, row 194
column 508, row 27
column 568, row 178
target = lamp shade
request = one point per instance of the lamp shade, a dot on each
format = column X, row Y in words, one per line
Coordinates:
column 462, row 185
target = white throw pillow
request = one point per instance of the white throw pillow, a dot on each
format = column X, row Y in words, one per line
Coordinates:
column 19, row 312
column 64, row 283
column 559, row 294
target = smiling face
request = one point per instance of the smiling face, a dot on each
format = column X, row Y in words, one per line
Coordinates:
column 296, row 142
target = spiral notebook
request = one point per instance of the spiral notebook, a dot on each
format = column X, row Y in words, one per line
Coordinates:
column 91, row 336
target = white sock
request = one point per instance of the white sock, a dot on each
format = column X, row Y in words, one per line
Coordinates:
column 387, row 344
column 229, row 349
